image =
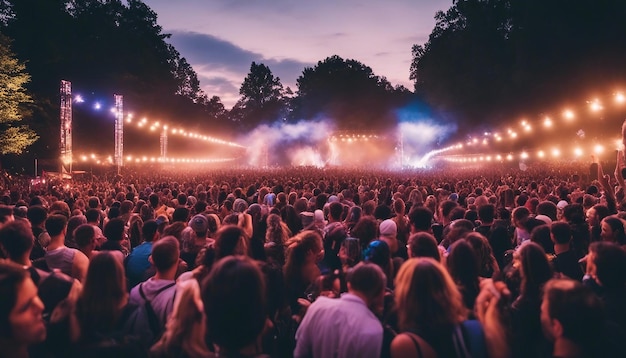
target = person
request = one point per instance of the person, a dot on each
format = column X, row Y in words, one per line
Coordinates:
column 276, row 236
column 565, row 260
column 572, row 318
column 389, row 233
column 185, row 330
column 430, row 309
column 464, row 268
column 234, row 298
column 423, row 244
column 85, row 237
column 348, row 326
column 71, row 262
column 606, row 275
column 157, row 292
column 21, row 312
column 194, row 238
column 116, row 238
column 102, row 311
column 37, row 216
column 612, row 230
column 304, row 251
column 535, row 271
column 137, row 263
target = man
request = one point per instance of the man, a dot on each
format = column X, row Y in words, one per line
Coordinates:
column 346, row 327
column 486, row 215
column 85, row 237
column 594, row 215
column 21, row 319
column 420, row 220
column 566, row 260
column 138, row 262
column 158, row 292
column 37, row 216
column 93, row 219
column 572, row 318
column 70, row 261
column 16, row 241
column 6, row 215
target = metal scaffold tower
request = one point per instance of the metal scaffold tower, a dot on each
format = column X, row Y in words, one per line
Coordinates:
column 65, row 144
column 119, row 132
column 163, row 141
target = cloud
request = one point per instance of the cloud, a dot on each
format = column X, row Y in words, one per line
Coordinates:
column 222, row 65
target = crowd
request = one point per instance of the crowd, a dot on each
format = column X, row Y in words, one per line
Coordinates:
column 309, row 262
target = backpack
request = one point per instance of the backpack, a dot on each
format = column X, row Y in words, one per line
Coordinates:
column 145, row 314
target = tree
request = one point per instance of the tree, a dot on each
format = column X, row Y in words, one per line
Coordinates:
column 14, row 138
column 347, row 91
column 262, row 97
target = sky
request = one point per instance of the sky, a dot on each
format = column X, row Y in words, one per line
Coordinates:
column 220, row 39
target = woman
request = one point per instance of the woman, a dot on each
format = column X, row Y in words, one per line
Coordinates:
column 430, row 309
column 275, row 238
column 349, row 253
column 234, row 300
column 488, row 266
column 464, row 268
column 613, row 230
column 21, row 312
column 353, row 217
column 184, row 334
column 101, row 311
column 532, row 264
column 304, row 251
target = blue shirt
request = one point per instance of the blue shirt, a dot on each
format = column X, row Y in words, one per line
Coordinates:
column 137, row 263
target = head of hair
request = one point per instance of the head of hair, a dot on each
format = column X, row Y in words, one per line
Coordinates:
column 578, row 310
column 617, row 226
column 541, row 235
column 36, row 215
column 230, row 240
column 93, row 215
column 148, row 230
column 521, row 214
column 426, row 296
column 165, row 253
column 12, row 276
column 535, row 269
column 610, row 262
column 487, row 213
column 114, row 229
column 103, row 296
column 483, row 251
column 335, row 210
column 55, row 224
column 234, row 301
column 464, row 267
column 16, row 239
column 84, row 235
column 366, row 230
column 181, row 213
column 367, row 279
column 298, row 248
column 423, row 244
column 561, row 232
column 548, row 209
column 574, row 214
column 421, row 218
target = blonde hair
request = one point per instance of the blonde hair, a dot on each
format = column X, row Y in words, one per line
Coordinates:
column 185, row 329
column 426, row 296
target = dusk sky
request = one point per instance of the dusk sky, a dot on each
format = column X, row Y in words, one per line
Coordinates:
column 221, row 38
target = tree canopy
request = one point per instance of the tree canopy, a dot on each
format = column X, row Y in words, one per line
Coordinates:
column 487, row 60
column 348, row 92
column 14, row 138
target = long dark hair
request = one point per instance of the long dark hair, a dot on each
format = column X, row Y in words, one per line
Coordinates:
column 104, row 293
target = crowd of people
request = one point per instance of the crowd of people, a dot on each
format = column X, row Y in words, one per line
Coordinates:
column 306, row 262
